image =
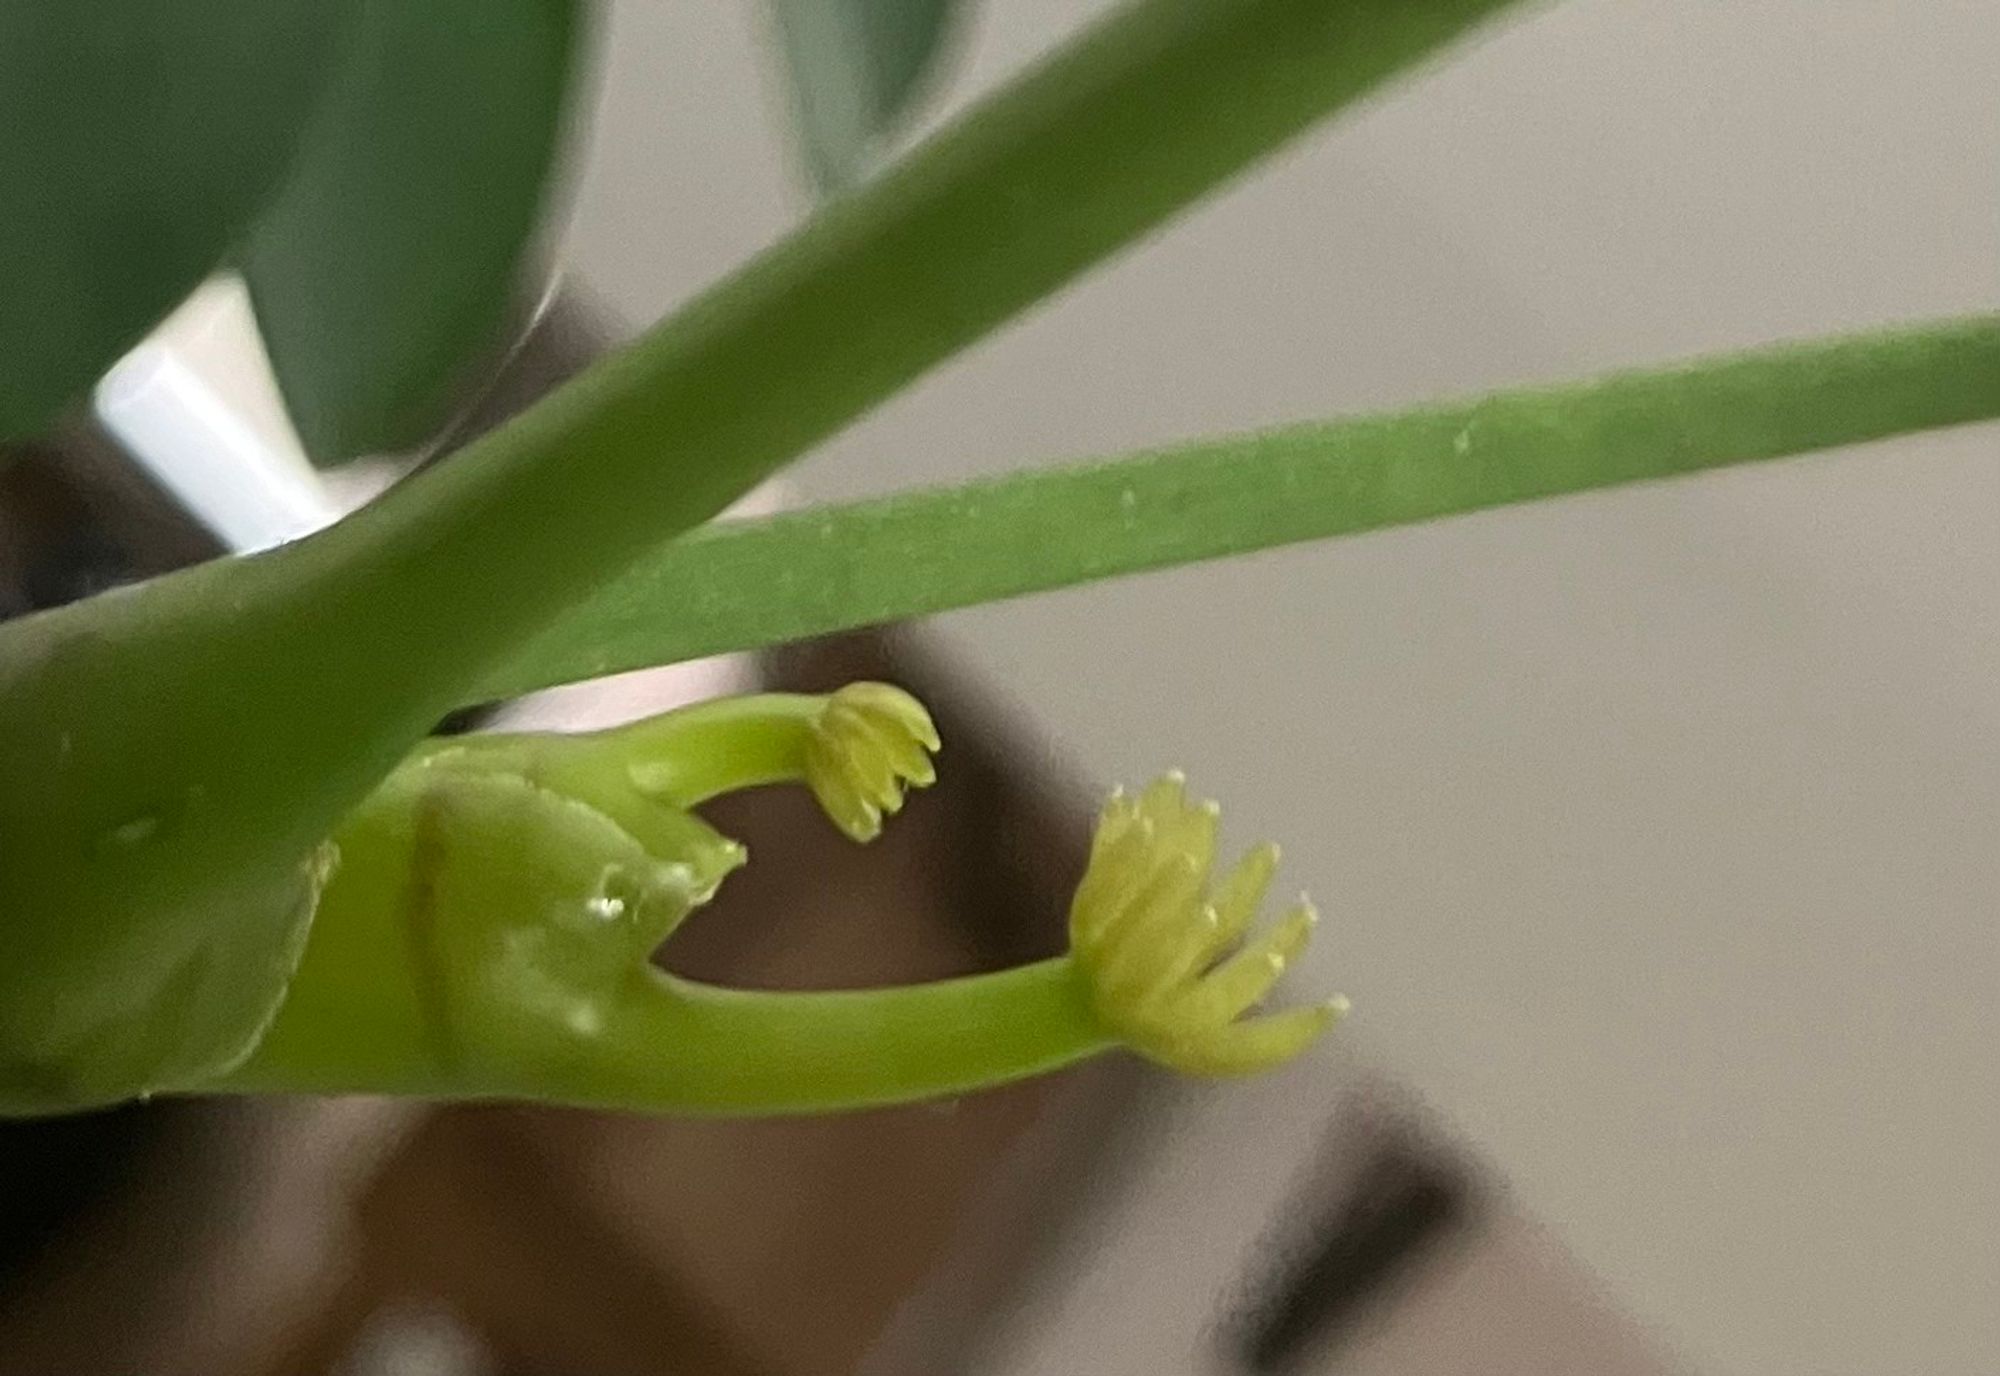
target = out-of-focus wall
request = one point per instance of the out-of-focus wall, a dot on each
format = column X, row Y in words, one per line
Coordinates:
column 1657, row 828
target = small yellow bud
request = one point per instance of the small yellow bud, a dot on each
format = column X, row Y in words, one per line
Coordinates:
column 869, row 742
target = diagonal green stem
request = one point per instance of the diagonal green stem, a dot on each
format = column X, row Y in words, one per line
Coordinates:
column 1126, row 126
column 445, row 577
column 738, row 585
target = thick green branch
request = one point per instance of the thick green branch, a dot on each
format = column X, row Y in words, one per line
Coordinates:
column 738, row 585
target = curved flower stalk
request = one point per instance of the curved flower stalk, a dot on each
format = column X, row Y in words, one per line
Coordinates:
column 489, row 927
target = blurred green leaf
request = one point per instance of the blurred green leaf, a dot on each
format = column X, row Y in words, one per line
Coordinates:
column 856, row 68
column 740, row 585
column 386, row 271
column 137, row 139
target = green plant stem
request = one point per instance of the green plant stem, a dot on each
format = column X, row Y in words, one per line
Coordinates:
column 739, row 585
column 678, row 1046
column 689, row 755
column 741, row 1051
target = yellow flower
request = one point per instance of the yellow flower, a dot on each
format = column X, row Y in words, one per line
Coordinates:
column 867, row 744
column 1168, row 969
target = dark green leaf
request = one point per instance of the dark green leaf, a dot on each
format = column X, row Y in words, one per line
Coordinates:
column 856, row 68
column 137, row 139
column 385, row 272
column 740, row 585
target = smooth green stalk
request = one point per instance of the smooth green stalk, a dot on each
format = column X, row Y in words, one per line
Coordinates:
column 176, row 754
column 673, row 1045
column 740, row 584
column 791, row 1052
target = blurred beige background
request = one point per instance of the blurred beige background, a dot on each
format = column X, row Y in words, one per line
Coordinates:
column 1658, row 827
